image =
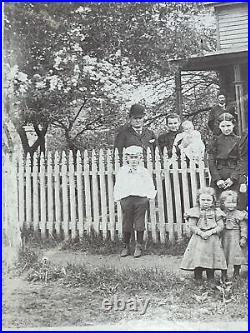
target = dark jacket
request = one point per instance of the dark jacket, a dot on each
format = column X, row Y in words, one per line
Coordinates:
column 223, row 157
column 127, row 137
column 216, row 111
column 166, row 139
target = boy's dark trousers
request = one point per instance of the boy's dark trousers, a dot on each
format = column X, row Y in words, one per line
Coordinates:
column 133, row 210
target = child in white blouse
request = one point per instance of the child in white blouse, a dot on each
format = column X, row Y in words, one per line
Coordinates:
column 133, row 188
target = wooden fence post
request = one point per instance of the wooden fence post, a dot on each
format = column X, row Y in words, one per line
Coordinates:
column 103, row 194
column 58, row 201
column 152, row 202
column 43, row 203
column 87, row 192
column 118, row 205
column 50, row 223
column 65, row 201
column 111, row 194
column 160, row 196
column 79, row 194
column 35, row 194
column 72, row 195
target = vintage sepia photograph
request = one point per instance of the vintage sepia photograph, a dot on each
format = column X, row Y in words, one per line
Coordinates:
column 124, row 166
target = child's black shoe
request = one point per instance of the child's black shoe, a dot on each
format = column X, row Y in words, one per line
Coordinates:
column 125, row 251
column 138, row 251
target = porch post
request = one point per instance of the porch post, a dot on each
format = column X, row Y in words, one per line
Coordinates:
column 239, row 94
column 178, row 102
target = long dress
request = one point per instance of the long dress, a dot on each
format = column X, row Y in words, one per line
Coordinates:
column 235, row 228
column 205, row 253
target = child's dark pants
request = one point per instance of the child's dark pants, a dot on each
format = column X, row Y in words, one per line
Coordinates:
column 133, row 216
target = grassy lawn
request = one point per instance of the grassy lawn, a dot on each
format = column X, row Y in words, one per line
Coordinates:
column 46, row 295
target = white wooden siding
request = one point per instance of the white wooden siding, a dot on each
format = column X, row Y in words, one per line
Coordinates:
column 233, row 27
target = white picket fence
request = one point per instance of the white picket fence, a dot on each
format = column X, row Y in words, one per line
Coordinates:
column 57, row 195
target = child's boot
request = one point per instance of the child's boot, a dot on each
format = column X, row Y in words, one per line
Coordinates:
column 210, row 274
column 198, row 273
column 236, row 271
column 126, row 250
column 224, row 276
column 138, row 246
column 138, row 250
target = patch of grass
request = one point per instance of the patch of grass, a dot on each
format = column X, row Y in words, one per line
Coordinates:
column 94, row 243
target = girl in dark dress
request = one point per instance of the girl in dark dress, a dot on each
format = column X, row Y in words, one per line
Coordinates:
column 224, row 156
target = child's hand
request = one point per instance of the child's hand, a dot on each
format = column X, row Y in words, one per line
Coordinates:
column 208, row 233
column 243, row 188
column 204, row 235
column 228, row 182
column 243, row 242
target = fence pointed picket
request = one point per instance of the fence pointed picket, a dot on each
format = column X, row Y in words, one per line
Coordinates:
column 35, row 185
column 185, row 190
column 193, row 178
column 58, row 204
column 28, row 191
column 15, row 235
column 43, row 203
column 21, row 192
column 168, row 192
column 201, row 171
column 111, row 194
column 152, row 202
column 118, row 205
column 50, row 186
column 87, row 192
column 103, row 193
column 65, row 196
column 72, row 195
column 95, row 192
column 160, row 196
column 177, row 195
column 79, row 194
column 6, row 198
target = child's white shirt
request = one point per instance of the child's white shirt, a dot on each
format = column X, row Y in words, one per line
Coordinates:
column 133, row 182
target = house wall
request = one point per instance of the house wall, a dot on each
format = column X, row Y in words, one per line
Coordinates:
column 232, row 26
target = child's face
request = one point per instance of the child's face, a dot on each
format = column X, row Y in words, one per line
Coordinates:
column 173, row 124
column 226, row 127
column 133, row 160
column 205, row 200
column 188, row 128
column 230, row 203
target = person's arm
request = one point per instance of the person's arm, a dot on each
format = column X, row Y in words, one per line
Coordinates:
column 119, row 143
column 192, row 224
column 119, row 184
column 211, row 151
column 217, row 230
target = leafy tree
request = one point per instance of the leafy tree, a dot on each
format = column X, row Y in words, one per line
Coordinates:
column 77, row 71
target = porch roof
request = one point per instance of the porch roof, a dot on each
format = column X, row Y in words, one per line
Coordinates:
column 211, row 61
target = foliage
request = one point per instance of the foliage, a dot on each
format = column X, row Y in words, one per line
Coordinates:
column 90, row 61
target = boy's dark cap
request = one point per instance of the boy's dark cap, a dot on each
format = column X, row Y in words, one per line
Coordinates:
column 137, row 110
column 226, row 117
